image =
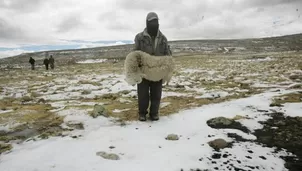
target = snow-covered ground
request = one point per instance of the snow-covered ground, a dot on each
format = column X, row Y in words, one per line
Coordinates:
column 142, row 146
column 72, row 93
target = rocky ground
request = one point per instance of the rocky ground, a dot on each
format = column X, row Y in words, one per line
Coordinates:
column 39, row 105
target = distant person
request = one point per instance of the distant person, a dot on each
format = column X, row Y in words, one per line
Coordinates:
column 52, row 62
column 46, row 62
column 152, row 41
column 32, row 63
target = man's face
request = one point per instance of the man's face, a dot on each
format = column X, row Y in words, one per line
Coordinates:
column 152, row 27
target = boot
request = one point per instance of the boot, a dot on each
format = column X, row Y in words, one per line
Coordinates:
column 142, row 118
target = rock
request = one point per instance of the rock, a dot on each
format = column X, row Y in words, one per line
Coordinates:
column 262, row 157
column 99, row 110
column 110, row 96
column 108, row 156
column 79, row 126
column 26, row 99
column 111, row 147
column 86, row 92
column 216, row 156
column 5, row 147
column 295, row 76
column 218, row 144
column 226, row 123
column 41, row 101
column 275, row 104
column 249, row 157
column 35, row 94
column 179, row 86
column 125, row 92
column 219, row 121
column 295, row 86
column 172, row 137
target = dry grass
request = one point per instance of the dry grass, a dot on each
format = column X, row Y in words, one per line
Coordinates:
column 216, row 73
column 288, row 98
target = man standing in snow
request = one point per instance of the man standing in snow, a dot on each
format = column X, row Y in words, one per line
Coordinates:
column 152, row 41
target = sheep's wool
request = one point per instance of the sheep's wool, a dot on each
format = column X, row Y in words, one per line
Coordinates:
column 139, row 64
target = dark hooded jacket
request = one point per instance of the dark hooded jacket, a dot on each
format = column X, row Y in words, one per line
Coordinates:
column 158, row 47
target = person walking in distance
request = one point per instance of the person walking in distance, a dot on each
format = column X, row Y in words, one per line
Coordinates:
column 52, row 62
column 46, row 62
column 152, row 41
column 32, row 63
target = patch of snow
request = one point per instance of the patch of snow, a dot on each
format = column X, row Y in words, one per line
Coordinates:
column 169, row 93
column 81, row 87
column 253, row 124
column 293, row 109
column 119, row 111
column 122, row 100
column 9, row 126
column 217, row 94
column 91, row 61
column 62, row 96
column 5, row 111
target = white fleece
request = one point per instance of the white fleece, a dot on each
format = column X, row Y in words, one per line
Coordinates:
column 153, row 68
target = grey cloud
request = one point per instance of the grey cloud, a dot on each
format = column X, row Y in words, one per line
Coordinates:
column 269, row 3
column 146, row 4
column 70, row 23
column 9, row 31
column 114, row 21
column 22, row 5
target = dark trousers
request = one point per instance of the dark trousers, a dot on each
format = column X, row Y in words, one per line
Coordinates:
column 46, row 66
column 32, row 66
column 52, row 66
column 149, row 91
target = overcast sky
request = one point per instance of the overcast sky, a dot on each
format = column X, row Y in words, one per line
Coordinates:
column 60, row 22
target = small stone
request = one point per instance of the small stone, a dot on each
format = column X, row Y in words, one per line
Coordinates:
column 250, row 151
column 252, row 167
column 219, row 120
column 238, row 161
column 172, row 137
column 79, row 126
column 99, row 110
column 41, row 101
column 216, row 156
column 249, row 157
column 108, row 156
column 225, row 156
column 159, row 146
column 86, row 92
column 111, row 147
column 262, row 157
column 26, row 99
column 200, row 159
column 275, row 104
column 216, row 168
column 218, row 144
column 213, row 162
